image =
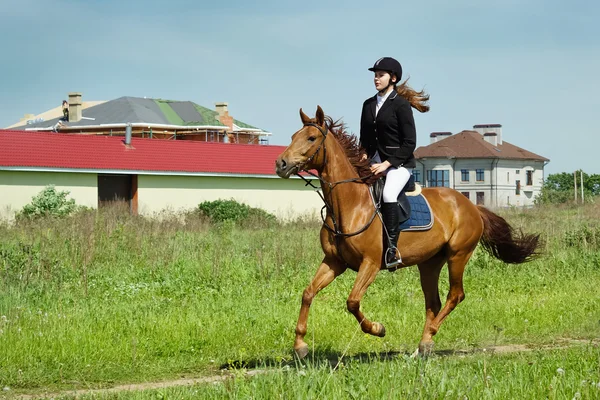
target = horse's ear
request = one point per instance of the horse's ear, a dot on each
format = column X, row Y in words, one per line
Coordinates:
column 320, row 116
column 304, row 117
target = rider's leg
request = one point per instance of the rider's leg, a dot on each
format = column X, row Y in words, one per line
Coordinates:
column 396, row 179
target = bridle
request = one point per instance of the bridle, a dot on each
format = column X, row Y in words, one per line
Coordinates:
column 331, row 185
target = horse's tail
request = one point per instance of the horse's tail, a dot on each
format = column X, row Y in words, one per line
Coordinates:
column 417, row 100
column 503, row 242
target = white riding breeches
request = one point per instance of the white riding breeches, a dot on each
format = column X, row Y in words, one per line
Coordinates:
column 396, row 179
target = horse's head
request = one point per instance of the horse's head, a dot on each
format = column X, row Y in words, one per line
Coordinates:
column 307, row 147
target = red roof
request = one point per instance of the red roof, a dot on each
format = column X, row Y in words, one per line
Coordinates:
column 73, row 151
column 471, row 144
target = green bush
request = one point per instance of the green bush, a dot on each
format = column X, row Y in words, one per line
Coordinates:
column 49, row 202
column 231, row 210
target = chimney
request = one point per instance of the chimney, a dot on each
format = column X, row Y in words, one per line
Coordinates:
column 225, row 119
column 128, row 133
column 221, row 108
column 491, row 138
column 75, row 107
column 490, row 128
column 437, row 136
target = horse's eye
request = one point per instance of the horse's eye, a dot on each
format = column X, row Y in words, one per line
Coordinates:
column 312, row 138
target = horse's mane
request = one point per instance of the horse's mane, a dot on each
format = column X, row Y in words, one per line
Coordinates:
column 351, row 147
column 416, row 99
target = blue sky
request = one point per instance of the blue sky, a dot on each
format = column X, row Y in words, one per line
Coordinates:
column 531, row 66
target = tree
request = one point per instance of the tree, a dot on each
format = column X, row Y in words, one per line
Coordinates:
column 559, row 188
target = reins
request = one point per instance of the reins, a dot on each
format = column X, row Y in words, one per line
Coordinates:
column 331, row 185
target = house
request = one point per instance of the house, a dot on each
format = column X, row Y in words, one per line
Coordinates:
column 150, row 175
column 482, row 166
column 151, row 118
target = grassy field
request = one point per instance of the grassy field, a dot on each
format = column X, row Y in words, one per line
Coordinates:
column 558, row 374
column 100, row 299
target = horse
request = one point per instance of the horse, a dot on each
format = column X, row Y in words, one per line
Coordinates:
column 351, row 236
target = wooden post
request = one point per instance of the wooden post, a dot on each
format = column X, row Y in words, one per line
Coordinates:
column 582, row 201
column 575, row 180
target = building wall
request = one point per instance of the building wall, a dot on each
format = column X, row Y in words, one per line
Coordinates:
column 17, row 188
column 283, row 197
column 499, row 181
column 509, row 171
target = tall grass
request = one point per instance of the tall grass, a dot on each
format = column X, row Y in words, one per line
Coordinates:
column 103, row 297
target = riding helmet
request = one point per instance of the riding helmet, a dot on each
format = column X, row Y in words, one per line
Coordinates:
column 388, row 64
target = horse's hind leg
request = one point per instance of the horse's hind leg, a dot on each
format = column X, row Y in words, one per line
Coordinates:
column 430, row 275
column 327, row 272
column 365, row 276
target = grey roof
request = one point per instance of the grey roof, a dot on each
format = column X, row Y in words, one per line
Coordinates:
column 188, row 112
column 142, row 110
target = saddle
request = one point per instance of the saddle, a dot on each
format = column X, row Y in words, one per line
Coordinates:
column 415, row 212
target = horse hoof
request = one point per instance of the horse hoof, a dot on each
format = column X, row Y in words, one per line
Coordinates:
column 379, row 329
column 425, row 349
column 302, row 351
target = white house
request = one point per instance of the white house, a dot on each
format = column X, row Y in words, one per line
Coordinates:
column 482, row 166
column 150, row 175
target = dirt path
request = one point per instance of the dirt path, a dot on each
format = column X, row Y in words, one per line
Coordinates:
column 501, row 349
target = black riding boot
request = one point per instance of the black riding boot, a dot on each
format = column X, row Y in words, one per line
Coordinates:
column 391, row 220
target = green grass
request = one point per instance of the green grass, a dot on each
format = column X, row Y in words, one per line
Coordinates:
column 558, row 374
column 100, row 299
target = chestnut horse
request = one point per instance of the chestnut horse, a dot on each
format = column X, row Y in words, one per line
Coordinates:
column 352, row 238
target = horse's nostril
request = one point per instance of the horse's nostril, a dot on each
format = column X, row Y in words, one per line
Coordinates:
column 283, row 164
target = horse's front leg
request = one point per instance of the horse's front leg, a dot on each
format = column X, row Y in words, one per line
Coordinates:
column 329, row 269
column 366, row 275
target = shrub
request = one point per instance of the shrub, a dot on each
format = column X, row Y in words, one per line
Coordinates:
column 231, row 210
column 49, row 202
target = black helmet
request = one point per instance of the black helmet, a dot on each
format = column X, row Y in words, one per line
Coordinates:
column 388, row 64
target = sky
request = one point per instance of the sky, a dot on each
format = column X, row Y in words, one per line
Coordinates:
column 530, row 65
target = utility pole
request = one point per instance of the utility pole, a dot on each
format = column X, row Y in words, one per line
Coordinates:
column 575, row 181
column 582, row 202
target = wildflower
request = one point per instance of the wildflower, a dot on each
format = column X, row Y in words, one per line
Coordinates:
column 6, row 388
column 560, row 371
column 302, row 373
column 3, row 318
column 577, row 395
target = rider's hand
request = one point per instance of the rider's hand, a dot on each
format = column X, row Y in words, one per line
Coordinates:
column 377, row 169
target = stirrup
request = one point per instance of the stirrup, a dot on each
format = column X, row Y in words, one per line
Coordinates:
column 393, row 264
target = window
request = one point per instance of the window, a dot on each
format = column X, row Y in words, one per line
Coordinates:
column 518, row 188
column 529, row 178
column 508, row 177
column 417, row 175
column 464, row 175
column 480, row 198
column 438, row 178
column 518, row 171
column 479, row 175
column 466, row 194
